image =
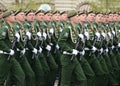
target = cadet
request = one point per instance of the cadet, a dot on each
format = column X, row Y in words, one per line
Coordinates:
column 112, row 40
column 117, row 26
column 31, row 44
column 48, row 45
column 16, row 75
column 55, row 36
column 20, row 50
column 39, row 15
column 70, row 66
column 84, row 63
column 90, row 48
column 60, row 25
column 99, row 53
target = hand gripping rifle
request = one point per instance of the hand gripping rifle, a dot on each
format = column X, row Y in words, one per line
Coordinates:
column 76, row 46
column 95, row 39
column 13, row 46
column 37, row 40
column 102, row 39
column 35, row 47
column 83, row 47
column 25, row 43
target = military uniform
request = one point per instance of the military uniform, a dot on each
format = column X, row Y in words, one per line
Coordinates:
column 20, row 55
column 90, row 53
column 69, row 67
column 15, row 74
column 47, row 50
column 84, row 63
column 31, row 55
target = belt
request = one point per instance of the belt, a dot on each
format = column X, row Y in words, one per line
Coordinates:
column 20, row 50
column 67, row 53
column 2, row 52
column 86, row 49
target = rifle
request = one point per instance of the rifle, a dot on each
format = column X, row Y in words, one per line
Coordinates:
column 102, row 39
column 76, row 46
column 83, row 47
column 25, row 42
column 35, row 47
column 37, row 39
column 95, row 39
column 13, row 46
column 48, row 52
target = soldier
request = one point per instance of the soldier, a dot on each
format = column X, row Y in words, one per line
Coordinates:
column 112, row 79
column 39, row 15
column 54, row 38
column 90, row 48
column 20, row 50
column 60, row 25
column 112, row 53
column 84, row 63
column 99, row 53
column 31, row 44
column 117, row 26
column 16, row 75
column 70, row 66
column 48, row 45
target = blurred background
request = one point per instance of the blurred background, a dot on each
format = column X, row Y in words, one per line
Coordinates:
column 62, row 5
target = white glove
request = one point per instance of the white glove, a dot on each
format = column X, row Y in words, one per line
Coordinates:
column 60, row 29
column 109, row 34
column 57, row 46
column 81, row 36
column 40, row 50
column 51, row 30
column 97, row 34
column 113, row 47
column 86, row 49
column 94, row 48
column 119, row 31
column 106, row 50
column 101, row 50
column 103, row 34
column 39, row 34
column 82, row 53
column 17, row 35
column 87, row 35
column 44, row 35
column 23, row 51
column 113, row 32
column 29, row 35
column 11, row 52
column 51, row 44
column 34, row 51
column 75, row 52
column 118, row 44
column 48, row 47
column 1, row 52
column 64, row 52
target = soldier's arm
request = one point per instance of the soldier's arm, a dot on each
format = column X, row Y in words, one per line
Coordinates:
column 62, row 41
column 3, row 46
column 88, row 44
column 19, row 45
column 53, row 40
column 30, row 46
